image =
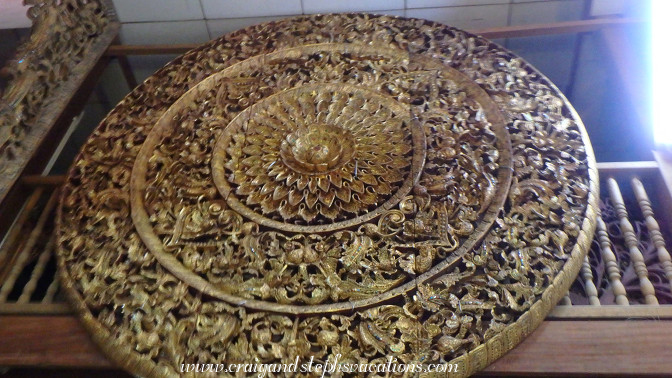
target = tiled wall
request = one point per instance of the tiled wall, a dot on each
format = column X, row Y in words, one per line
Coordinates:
column 178, row 21
column 196, row 21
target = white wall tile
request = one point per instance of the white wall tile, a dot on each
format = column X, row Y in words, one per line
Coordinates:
column 529, row 1
column 472, row 17
column 638, row 9
column 449, row 3
column 158, row 10
column 607, row 7
column 217, row 28
column 249, row 8
column 146, row 33
column 13, row 15
column 332, row 6
column 393, row 12
column 546, row 11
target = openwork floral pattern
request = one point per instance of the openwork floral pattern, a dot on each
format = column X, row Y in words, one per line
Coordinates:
column 206, row 219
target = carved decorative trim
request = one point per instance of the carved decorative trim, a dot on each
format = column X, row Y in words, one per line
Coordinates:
column 67, row 39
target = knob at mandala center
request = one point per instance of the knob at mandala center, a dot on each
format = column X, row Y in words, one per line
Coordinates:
column 317, row 149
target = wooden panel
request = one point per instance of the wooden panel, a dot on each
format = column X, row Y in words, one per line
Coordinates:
column 58, row 341
column 35, row 309
column 568, row 347
column 591, row 347
column 42, row 149
column 53, row 110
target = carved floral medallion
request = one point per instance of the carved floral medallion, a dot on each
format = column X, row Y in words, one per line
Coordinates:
column 349, row 184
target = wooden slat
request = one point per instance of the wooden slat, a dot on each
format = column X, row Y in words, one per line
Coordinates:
column 38, row 180
column 40, row 265
column 51, row 292
column 123, row 50
column 35, row 309
column 627, row 169
column 588, row 284
column 652, row 225
column 611, row 312
column 554, row 28
column 557, row 347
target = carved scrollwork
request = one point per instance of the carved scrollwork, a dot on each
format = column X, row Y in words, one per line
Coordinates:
column 62, row 39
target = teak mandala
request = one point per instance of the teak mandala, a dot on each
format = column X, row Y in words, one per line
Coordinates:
column 354, row 185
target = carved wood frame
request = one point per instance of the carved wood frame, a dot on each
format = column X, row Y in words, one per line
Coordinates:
column 68, row 37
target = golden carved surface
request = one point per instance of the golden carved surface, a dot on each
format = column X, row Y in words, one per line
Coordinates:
column 354, row 185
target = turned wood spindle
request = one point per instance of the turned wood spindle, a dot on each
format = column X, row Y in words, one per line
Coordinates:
column 25, row 252
column 15, row 232
column 51, row 291
column 589, row 285
column 613, row 271
column 654, row 228
column 636, row 256
column 565, row 301
column 29, row 288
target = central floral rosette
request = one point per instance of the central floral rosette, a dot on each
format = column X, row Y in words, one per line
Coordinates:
column 317, row 149
column 315, row 156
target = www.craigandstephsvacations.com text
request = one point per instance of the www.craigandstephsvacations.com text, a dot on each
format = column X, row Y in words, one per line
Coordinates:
column 325, row 368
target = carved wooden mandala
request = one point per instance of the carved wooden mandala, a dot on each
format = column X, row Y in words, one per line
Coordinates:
column 354, row 185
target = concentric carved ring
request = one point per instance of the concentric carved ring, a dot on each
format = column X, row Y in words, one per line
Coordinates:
column 302, row 166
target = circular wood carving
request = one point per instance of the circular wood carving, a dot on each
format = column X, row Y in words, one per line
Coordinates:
column 354, row 185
